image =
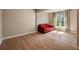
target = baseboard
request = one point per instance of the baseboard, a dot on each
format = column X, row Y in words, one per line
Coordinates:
column 18, row 35
column 1, row 40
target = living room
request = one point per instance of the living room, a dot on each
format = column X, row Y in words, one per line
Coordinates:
column 22, row 29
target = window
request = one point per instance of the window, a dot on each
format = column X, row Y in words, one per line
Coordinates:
column 59, row 21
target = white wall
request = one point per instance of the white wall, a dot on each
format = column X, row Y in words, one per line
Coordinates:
column 73, row 20
column 42, row 18
column 0, row 26
column 18, row 21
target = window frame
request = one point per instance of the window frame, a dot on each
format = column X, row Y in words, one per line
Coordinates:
column 58, row 15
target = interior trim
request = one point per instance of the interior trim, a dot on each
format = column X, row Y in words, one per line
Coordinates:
column 18, row 35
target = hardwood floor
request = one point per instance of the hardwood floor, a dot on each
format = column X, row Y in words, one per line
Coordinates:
column 37, row 41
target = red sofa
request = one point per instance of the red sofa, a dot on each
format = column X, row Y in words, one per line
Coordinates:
column 44, row 28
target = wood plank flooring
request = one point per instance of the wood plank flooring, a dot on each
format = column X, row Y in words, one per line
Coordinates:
column 37, row 41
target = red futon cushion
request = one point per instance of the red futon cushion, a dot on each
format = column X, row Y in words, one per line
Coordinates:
column 43, row 28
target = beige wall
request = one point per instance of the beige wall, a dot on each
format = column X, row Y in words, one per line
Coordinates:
column 78, row 28
column 0, row 27
column 73, row 20
column 18, row 22
column 0, row 24
column 51, row 18
column 42, row 18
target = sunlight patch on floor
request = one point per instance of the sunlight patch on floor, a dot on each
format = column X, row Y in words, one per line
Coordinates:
column 58, row 32
column 61, row 32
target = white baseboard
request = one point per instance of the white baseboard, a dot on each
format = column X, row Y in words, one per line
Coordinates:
column 18, row 35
